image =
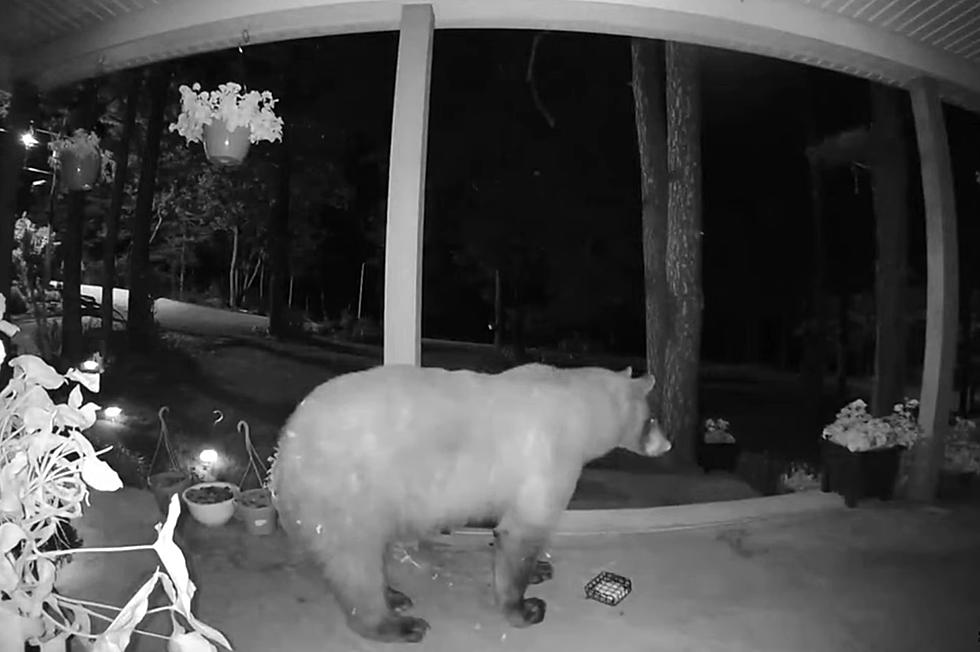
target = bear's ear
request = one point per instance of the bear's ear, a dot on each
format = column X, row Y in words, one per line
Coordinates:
column 646, row 383
column 628, row 371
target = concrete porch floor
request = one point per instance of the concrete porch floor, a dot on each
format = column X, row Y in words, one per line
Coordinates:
column 879, row 577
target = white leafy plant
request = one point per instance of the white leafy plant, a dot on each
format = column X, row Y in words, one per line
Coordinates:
column 231, row 105
column 46, row 469
column 716, row 431
column 856, row 430
column 82, row 143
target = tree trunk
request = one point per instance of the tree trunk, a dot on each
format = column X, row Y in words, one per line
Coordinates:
column 683, row 260
column 280, row 278
column 498, row 312
column 71, row 277
column 140, row 322
column 889, row 178
column 843, row 308
column 651, row 132
column 23, row 106
column 233, row 270
column 115, row 208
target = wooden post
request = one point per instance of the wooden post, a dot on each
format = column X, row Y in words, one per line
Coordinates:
column 406, row 189
column 942, row 294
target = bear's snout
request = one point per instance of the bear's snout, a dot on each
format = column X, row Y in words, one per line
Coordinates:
column 656, row 443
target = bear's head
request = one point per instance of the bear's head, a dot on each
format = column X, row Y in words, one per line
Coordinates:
column 643, row 433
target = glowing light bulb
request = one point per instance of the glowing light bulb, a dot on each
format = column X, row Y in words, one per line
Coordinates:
column 28, row 139
column 208, row 456
column 112, row 412
column 89, row 365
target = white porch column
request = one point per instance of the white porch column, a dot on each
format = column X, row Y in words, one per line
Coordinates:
column 406, row 188
column 942, row 285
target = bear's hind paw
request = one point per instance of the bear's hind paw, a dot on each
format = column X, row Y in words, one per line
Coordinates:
column 529, row 612
column 401, row 629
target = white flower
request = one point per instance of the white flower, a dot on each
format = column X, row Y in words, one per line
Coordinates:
column 229, row 104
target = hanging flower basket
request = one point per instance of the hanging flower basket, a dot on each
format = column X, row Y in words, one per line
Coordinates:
column 223, row 146
column 227, row 121
column 80, row 162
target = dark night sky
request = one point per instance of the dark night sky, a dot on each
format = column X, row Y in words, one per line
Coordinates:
column 568, row 197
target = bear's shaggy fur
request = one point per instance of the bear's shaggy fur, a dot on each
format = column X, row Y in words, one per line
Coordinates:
column 398, row 451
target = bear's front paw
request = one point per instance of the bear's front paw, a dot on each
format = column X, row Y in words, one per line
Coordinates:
column 529, row 612
column 403, row 629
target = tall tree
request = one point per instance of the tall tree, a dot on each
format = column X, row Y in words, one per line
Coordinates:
column 111, row 238
column 279, row 216
column 889, row 175
column 140, row 321
column 668, row 115
column 651, row 131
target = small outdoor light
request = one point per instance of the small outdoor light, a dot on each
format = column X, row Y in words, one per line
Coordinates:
column 28, row 139
column 208, row 456
column 93, row 365
column 112, row 412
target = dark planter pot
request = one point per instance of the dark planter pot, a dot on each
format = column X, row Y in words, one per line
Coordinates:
column 723, row 457
column 224, row 147
column 859, row 475
column 79, row 171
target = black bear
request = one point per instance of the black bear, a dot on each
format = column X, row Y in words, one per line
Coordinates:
column 394, row 452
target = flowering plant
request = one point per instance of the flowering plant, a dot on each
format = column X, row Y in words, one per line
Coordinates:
column 82, row 144
column 962, row 451
column 856, row 430
column 800, row 476
column 46, row 469
column 716, row 432
column 231, row 105
column 4, row 103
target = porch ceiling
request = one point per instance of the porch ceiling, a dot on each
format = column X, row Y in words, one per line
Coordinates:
column 57, row 41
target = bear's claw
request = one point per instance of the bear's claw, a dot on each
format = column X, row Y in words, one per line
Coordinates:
column 404, row 629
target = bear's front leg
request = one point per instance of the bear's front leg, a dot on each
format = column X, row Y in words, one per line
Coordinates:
column 515, row 558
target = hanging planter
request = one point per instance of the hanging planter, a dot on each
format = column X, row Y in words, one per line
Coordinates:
column 80, row 162
column 227, row 121
column 255, row 507
column 223, row 146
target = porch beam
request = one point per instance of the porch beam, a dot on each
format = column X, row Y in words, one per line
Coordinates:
column 942, row 287
column 406, row 188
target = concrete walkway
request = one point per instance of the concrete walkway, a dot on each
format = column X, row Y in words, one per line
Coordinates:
column 880, row 577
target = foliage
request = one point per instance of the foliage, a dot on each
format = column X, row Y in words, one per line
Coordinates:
column 251, row 109
column 962, row 453
column 855, row 429
column 82, row 144
column 46, row 468
column 716, row 431
column 800, row 476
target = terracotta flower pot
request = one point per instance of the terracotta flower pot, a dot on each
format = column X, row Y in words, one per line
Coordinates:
column 256, row 510
column 79, row 170
column 166, row 484
column 225, row 147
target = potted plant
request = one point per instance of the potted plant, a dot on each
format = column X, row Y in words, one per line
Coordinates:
column 255, row 506
column 717, row 447
column 861, row 453
column 227, row 120
column 47, row 467
column 174, row 479
column 211, row 503
column 80, row 161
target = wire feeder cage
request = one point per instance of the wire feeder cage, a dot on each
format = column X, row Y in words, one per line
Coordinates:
column 608, row 588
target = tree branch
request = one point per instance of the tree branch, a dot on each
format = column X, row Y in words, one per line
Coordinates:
column 529, row 78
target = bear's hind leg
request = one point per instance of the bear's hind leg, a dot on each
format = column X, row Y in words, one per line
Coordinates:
column 515, row 559
column 356, row 576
